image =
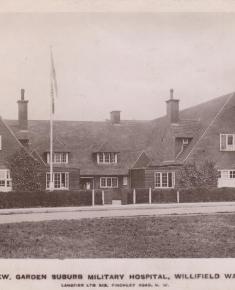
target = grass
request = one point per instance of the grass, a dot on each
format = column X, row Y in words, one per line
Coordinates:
column 201, row 236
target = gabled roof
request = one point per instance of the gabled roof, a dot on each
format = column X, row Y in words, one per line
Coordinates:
column 83, row 139
column 194, row 121
column 156, row 138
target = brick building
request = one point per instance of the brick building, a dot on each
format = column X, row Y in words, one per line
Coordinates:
column 117, row 154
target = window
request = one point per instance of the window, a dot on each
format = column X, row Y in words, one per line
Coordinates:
column 61, row 180
column 125, row 180
column 59, row 157
column 227, row 142
column 108, row 182
column 5, row 180
column 106, row 158
column 227, row 174
column 164, row 179
column 185, row 141
column 0, row 142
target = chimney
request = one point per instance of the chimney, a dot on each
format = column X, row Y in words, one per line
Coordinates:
column 23, row 112
column 172, row 108
column 115, row 117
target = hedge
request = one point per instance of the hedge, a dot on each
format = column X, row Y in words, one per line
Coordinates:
column 48, row 199
column 84, row 198
column 186, row 195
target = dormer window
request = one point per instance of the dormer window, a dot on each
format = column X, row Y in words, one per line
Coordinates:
column 59, row 157
column 185, row 141
column 227, row 142
column 106, row 158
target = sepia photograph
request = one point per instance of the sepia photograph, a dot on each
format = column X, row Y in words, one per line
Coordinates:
column 117, row 139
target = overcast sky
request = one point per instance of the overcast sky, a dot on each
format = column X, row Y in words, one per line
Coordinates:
column 119, row 61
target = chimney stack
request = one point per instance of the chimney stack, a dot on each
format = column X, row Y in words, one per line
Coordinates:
column 115, row 117
column 23, row 112
column 172, row 108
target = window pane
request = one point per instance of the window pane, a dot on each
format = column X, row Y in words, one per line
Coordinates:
column 62, row 179
column 158, row 179
column 63, row 157
column 170, row 179
column 112, row 157
column 232, row 174
column 107, row 156
column 2, row 183
column 101, row 157
column 114, row 182
column 109, row 182
column 230, row 140
column 164, row 179
column 223, row 141
column 125, row 180
column 57, row 180
column 103, row 182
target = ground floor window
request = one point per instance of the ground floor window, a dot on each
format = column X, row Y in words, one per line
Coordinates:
column 164, row 179
column 61, row 180
column 108, row 182
column 226, row 178
column 5, row 180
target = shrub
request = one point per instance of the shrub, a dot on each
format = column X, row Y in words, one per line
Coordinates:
column 192, row 175
column 26, row 172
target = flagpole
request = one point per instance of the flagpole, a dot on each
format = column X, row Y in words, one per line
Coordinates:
column 51, row 184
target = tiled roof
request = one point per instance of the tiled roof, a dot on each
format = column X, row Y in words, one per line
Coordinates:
column 83, row 139
column 129, row 138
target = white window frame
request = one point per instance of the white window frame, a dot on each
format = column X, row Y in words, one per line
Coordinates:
column 227, row 174
column 5, row 180
column 58, row 157
column 106, row 180
column 106, row 157
column 161, row 185
column 55, row 174
column 228, row 146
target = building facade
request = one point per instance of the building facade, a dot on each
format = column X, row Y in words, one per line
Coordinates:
column 119, row 154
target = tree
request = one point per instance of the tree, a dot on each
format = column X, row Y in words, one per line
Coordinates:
column 26, row 172
column 203, row 175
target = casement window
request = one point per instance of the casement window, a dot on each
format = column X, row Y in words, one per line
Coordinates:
column 227, row 174
column 5, row 180
column 227, row 142
column 125, row 180
column 61, row 180
column 106, row 157
column 59, row 157
column 108, row 182
column 164, row 179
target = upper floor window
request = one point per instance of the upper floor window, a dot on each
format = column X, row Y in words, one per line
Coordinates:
column 164, row 179
column 185, row 141
column 227, row 142
column 106, row 158
column 59, row 157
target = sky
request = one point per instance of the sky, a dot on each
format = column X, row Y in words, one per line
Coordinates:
column 114, row 61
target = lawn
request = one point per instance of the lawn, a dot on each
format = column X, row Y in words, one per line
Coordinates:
column 200, row 236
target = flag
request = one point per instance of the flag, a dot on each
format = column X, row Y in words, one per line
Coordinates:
column 54, row 88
